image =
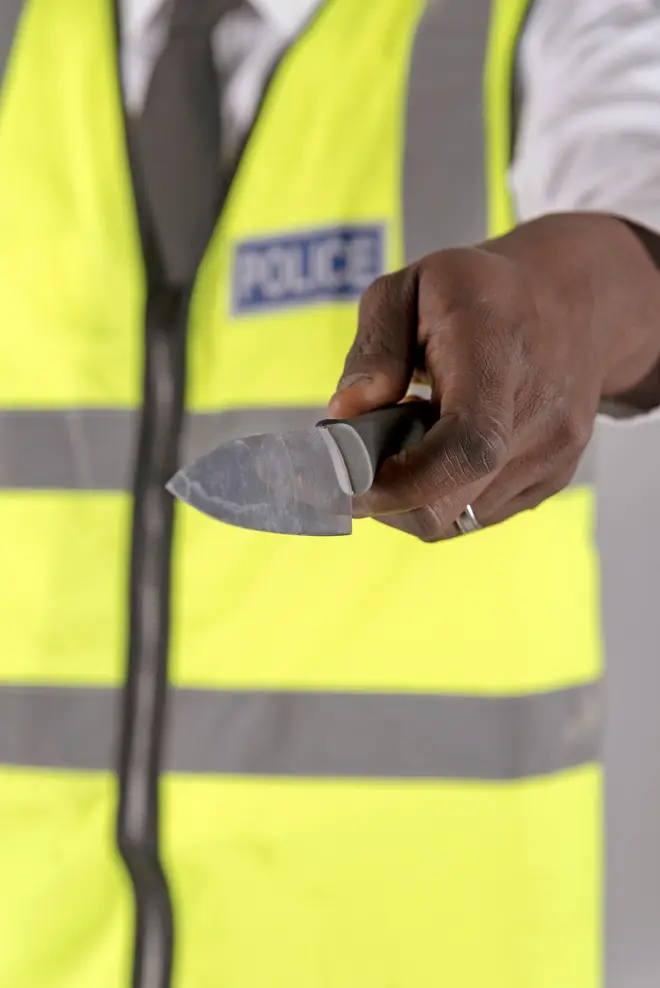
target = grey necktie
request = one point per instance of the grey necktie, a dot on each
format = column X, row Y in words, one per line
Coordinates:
column 177, row 140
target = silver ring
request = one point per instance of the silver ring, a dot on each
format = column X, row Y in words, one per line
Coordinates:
column 467, row 521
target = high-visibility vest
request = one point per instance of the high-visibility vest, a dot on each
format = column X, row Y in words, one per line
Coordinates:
column 352, row 762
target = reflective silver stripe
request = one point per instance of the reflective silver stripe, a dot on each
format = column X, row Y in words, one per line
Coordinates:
column 629, row 543
column 444, row 186
column 93, row 448
column 67, row 449
column 10, row 11
column 370, row 735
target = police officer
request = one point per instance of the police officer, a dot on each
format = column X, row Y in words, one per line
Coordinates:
column 231, row 759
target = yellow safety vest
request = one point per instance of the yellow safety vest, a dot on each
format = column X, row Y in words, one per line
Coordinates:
column 377, row 764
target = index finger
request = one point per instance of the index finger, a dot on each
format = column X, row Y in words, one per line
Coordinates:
column 379, row 365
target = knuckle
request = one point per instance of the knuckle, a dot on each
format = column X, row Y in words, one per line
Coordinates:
column 561, row 480
column 414, row 488
column 374, row 297
column 573, row 433
column 469, row 280
column 415, row 523
column 483, row 448
column 379, row 287
column 427, row 525
column 550, row 487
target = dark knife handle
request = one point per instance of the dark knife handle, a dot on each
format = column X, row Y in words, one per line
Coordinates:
column 366, row 441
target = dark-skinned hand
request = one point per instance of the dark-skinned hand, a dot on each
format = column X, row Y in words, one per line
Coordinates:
column 520, row 339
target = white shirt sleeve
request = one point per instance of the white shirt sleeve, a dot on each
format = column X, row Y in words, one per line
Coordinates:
column 589, row 129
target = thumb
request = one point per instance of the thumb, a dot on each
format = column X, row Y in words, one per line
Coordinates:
column 380, row 362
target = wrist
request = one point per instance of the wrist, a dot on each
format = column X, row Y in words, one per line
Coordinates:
column 645, row 394
column 593, row 274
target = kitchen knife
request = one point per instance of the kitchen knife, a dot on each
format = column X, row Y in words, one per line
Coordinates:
column 300, row 482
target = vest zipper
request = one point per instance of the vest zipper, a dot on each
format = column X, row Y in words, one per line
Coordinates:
column 145, row 688
column 146, row 682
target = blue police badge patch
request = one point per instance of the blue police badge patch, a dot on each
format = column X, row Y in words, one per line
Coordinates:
column 325, row 265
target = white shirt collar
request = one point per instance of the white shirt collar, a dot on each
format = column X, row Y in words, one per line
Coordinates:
column 287, row 16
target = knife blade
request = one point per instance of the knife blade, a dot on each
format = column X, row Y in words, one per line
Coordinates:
column 300, row 482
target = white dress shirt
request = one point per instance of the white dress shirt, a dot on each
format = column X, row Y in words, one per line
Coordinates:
column 589, row 135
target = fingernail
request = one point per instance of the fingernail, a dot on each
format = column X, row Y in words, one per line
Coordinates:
column 336, row 406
